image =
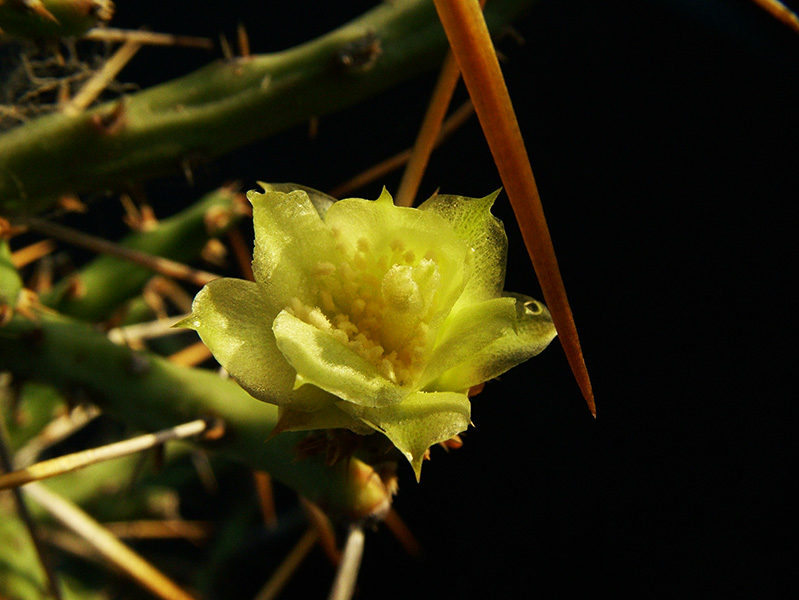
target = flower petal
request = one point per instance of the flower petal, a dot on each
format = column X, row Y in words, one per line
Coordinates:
column 468, row 332
column 323, row 360
column 291, row 241
column 418, row 422
column 533, row 331
column 234, row 321
column 320, row 200
column 483, row 233
column 381, row 226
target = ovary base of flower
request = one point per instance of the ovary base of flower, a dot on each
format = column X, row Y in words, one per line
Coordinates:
column 371, row 317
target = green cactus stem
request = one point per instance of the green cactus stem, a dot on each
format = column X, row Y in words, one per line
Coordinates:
column 21, row 575
column 107, row 281
column 222, row 106
column 10, row 281
column 42, row 19
column 150, row 393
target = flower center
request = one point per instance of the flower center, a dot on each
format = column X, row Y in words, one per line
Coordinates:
column 379, row 302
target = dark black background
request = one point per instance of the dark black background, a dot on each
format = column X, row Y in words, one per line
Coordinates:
column 664, row 140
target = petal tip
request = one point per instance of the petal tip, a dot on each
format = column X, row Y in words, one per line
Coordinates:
column 190, row 322
column 385, row 197
column 492, row 197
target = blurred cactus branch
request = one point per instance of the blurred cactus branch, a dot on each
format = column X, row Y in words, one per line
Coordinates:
column 158, row 264
column 150, row 393
column 99, row 288
column 6, row 465
column 221, row 107
column 41, row 19
column 10, row 281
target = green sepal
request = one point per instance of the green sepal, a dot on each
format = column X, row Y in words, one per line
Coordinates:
column 330, row 417
column 418, row 422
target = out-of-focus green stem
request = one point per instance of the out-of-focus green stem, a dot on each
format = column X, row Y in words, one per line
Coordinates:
column 39, row 19
column 21, row 575
column 150, row 393
column 10, row 281
column 6, row 464
column 106, row 282
column 222, row 106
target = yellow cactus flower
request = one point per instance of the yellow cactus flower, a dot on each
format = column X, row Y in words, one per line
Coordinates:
column 371, row 317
